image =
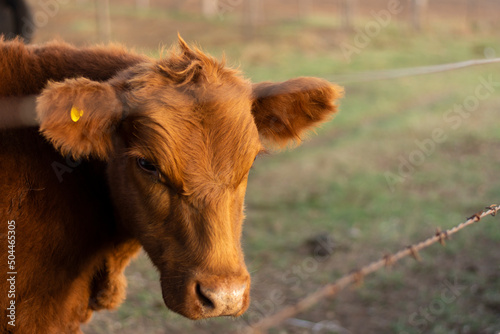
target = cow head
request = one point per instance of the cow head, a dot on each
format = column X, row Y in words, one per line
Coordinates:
column 180, row 135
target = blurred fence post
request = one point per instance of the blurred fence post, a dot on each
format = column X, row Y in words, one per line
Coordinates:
column 304, row 8
column 103, row 20
column 347, row 13
column 251, row 17
column 210, row 8
column 419, row 11
column 176, row 5
column 142, row 4
column 472, row 12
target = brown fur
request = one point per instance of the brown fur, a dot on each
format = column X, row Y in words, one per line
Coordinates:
column 56, row 61
column 198, row 123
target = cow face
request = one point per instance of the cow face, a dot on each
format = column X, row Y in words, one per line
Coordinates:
column 180, row 136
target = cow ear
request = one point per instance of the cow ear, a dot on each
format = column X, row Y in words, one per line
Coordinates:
column 284, row 111
column 79, row 117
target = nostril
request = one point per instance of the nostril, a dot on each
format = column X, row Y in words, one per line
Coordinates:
column 205, row 301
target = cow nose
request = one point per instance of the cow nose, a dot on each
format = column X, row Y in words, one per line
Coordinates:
column 227, row 300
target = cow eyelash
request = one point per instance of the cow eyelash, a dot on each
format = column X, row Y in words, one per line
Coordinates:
column 148, row 166
column 153, row 170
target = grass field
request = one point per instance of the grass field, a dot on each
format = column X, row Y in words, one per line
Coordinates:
column 402, row 157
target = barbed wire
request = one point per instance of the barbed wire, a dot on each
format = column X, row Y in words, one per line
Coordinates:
column 20, row 111
column 357, row 276
column 409, row 71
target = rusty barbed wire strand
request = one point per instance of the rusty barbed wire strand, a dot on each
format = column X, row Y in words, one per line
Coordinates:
column 356, row 276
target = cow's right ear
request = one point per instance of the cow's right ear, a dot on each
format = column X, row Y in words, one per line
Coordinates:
column 79, row 117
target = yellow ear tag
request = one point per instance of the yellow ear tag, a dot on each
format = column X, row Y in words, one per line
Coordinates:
column 76, row 114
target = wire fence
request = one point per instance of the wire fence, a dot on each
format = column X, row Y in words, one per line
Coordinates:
column 418, row 13
column 477, row 14
column 409, row 72
column 357, row 276
column 19, row 111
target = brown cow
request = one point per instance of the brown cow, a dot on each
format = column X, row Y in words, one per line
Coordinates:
column 132, row 152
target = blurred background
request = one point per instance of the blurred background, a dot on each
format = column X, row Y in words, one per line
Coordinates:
column 402, row 157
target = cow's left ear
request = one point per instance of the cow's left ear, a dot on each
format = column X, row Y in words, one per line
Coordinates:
column 284, row 111
column 79, row 117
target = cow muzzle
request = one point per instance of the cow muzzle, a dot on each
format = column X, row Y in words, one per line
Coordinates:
column 216, row 296
column 208, row 295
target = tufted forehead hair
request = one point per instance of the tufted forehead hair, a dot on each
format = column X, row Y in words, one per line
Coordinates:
column 201, row 77
column 192, row 116
column 191, row 66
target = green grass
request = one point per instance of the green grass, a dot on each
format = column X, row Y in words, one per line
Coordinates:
column 336, row 183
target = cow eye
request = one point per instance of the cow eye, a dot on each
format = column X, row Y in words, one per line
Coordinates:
column 147, row 166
